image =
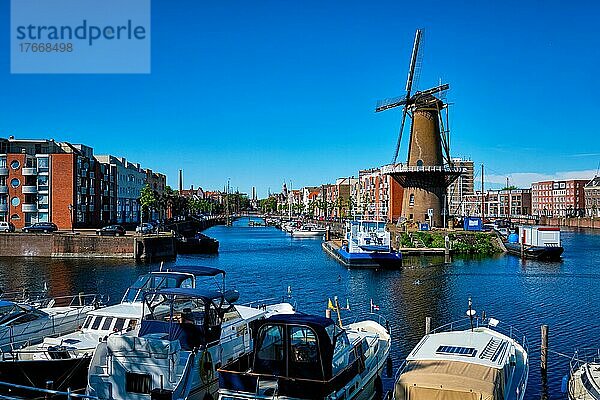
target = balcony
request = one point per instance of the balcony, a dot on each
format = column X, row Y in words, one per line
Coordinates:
column 29, row 189
column 3, row 171
column 28, row 171
column 3, row 189
column 28, row 208
column 3, row 207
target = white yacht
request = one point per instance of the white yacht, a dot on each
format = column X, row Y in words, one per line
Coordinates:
column 185, row 335
column 308, row 230
column 22, row 324
column 474, row 363
column 583, row 381
column 304, row 356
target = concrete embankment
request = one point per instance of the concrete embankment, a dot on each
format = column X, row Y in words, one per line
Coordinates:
column 574, row 222
column 86, row 246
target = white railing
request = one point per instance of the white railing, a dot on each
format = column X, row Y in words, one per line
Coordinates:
column 388, row 169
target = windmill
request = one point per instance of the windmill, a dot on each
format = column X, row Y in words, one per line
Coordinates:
column 428, row 170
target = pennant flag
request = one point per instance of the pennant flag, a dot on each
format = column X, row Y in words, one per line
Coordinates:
column 374, row 307
column 330, row 304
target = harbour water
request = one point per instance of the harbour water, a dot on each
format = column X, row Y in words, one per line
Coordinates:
column 262, row 262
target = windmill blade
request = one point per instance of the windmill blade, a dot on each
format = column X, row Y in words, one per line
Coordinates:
column 413, row 62
column 404, row 112
column 386, row 104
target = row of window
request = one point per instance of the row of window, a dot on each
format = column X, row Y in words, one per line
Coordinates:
column 113, row 324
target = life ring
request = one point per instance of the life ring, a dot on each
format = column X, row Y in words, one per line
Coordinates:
column 206, row 368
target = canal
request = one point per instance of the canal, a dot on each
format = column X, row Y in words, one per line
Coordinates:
column 262, row 262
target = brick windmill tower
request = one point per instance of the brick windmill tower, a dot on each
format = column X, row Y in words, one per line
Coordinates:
column 428, row 171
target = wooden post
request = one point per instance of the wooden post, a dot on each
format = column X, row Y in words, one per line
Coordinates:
column 544, row 350
column 427, row 325
column 327, row 233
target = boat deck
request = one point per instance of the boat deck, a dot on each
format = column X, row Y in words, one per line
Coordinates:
column 368, row 260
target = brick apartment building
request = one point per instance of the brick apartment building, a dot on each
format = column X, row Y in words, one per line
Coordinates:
column 380, row 196
column 60, row 182
column 558, row 198
column 592, row 197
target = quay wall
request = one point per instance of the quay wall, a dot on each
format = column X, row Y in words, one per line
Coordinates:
column 86, row 246
column 574, row 222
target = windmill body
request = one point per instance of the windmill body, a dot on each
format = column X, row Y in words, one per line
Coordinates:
column 428, row 170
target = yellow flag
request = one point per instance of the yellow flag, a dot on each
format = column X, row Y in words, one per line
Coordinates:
column 330, row 304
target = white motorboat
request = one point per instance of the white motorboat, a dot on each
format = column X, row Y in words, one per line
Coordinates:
column 304, row 356
column 184, row 337
column 583, row 381
column 64, row 359
column 478, row 362
column 23, row 324
column 308, row 230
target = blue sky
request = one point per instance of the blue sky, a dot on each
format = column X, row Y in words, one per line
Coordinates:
column 269, row 91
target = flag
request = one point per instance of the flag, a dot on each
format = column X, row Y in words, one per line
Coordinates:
column 330, row 304
column 374, row 307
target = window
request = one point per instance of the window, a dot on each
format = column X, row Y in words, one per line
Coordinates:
column 411, row 200
column 119, row 324
column 15, row 201
column 96, row 323
column 88, row 321
column 303, row 345
column 107, row 322
column 43, row 164
column 271, row 346
column 419, row 163
column 15, row 164
column 15, row 182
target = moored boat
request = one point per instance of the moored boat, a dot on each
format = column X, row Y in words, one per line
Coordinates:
column 308, row 230
column 367, row 243
column 303, row 356
column 535, row 242
column 583, row 381
column 454, row 363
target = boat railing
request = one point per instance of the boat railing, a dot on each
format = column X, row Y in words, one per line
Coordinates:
column 371, row 316
column 584, row 356
column 498, row 326
column 45, row 393
column 264, row 303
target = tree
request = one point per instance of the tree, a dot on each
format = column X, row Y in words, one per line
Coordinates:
column 268, row 204
column 511, row 187
column 148, row 201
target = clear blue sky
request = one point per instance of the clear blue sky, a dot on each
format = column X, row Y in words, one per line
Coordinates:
column 267, row 91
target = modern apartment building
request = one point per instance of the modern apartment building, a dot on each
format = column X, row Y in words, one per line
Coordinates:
column 130, row 180
column 461, row 188
column 505, row 203
column 48, row 181
column 558, row 198
column 592, row 197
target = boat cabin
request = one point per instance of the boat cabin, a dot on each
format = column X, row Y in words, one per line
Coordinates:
column 295, row 355
column 191, row 316
column 544, row 236
column 367, row 237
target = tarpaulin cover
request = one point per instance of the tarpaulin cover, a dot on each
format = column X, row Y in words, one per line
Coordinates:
column 449, row 380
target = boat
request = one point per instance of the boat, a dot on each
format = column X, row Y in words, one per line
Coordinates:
column 185, row 335
column 22, row 323
column 469, row 359
column 303, row 356
column 367, row 243
column 199, row 244
column 64, row 359
column 583, row 380
column 535, row 242
column 308, row 230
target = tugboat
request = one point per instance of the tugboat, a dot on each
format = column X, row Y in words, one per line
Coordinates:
column 186, row 333
column 536, row 242
column 302, row 356
column 367, row 244
column 479, row 362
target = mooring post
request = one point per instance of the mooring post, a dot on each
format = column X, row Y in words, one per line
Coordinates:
column 544, row 350
column 327, row 233
column 427, row 325
column 328, row 313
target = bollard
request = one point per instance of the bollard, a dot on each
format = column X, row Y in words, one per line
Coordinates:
column 327, row 234
column 427, row 325
column 544, row 350
column 328, row 313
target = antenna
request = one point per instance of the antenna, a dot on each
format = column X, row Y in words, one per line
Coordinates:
column 471, row 313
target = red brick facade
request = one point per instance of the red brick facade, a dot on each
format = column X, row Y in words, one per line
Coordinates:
column 63, row 189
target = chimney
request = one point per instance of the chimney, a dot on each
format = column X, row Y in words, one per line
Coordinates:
column 192, row 188
column 180, row 180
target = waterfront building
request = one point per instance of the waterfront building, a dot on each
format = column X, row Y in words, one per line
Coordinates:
column 193, row 193
column 307, row 191
column 592, row 197
column 503, row 203
column 379, row 195
column 558, row 198
column 462, row 187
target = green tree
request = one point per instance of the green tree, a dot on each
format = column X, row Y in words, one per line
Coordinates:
column 148, row 201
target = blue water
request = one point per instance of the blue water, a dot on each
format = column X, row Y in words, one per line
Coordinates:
column 262, row 262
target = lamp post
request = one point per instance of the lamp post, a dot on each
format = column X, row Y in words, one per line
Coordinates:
column 71, row 215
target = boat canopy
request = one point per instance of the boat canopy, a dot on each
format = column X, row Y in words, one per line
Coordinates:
column 197, row 270
column 449, row 380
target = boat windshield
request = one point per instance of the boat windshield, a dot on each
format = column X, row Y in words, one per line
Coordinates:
column 156, row 281
column 9, row 312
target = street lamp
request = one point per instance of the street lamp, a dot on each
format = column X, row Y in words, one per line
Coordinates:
column 71, row 215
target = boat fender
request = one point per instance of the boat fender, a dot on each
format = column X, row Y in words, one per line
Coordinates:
column 206, row 367
column 564, row 386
